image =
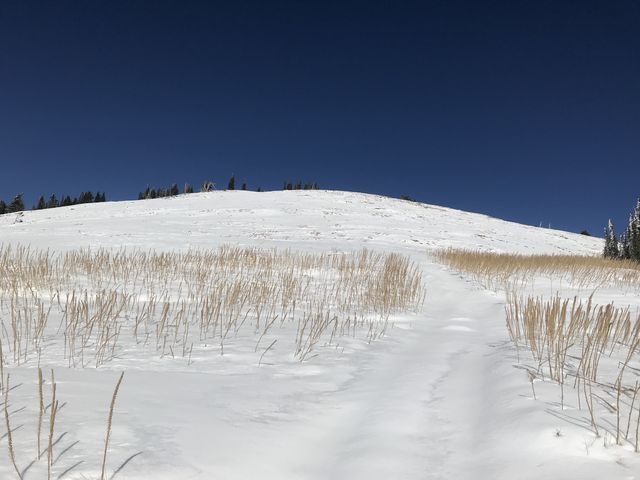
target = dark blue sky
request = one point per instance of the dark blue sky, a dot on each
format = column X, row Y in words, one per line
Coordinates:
column 524, row 110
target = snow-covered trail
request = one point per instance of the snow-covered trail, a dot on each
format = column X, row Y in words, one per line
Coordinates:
column 443, row 400
column 404, row 416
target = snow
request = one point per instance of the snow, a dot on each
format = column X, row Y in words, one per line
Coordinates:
column 437, row 397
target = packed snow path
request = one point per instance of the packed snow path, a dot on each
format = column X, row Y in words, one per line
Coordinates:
column 407, row 414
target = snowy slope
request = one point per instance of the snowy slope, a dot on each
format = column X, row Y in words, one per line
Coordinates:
column 316, row 220
column 436, row 398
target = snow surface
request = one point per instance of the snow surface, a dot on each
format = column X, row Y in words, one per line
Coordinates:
column 437, row 397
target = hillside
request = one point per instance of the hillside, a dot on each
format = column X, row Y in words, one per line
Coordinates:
column 289, row 219
column 424, row 388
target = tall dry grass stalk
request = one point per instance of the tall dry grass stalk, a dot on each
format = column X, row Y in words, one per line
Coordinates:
column 40, row 407
column 109, row 423
column 12, row 454
column 52, row 422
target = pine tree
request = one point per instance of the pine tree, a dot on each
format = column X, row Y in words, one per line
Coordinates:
column 232, row 183
column 16, row 205
column 173, row 191
column 53, row 202
column 40, row 205
column 610, row 242
column 634, row 233
column 623, row 246
column 3, row 207
column 85, row 197
column 188, row 188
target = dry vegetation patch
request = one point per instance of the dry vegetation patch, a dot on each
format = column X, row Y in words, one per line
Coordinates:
column 587, row 349
column 508, row 270
column 87, row 307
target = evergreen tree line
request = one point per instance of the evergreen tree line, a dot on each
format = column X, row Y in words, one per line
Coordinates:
column 209, row 186
column 627, row 246
column 171, row 191
column 300, row 186
column 66, row 200
column 17, row 204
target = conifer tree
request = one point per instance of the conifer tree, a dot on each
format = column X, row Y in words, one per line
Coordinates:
column 53, row 202
column 634, row 233
column 173, row 191
column 3, row 207
column 85, row 197
column 232, row 183
column 188, row 188
column 623, row 246
column 40, row 205
column 610, row 242
column 16, row 205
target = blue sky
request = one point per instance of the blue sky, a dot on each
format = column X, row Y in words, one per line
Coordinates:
column 524, row 110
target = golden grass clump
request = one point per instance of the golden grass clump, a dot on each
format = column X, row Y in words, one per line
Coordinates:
column 595, row 346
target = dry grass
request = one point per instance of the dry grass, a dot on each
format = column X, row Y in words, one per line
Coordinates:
column 12, row 454
column 90, row 306
column 45, row 465
column 109, row 423
column 596, row 347
column 508, row 271
column 591, row 349
column 86, row 308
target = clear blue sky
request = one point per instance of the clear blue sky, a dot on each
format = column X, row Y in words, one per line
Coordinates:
column 524, row 110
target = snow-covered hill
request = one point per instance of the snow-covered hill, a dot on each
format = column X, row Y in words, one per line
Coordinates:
column 316, row 220
column 436, row 398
